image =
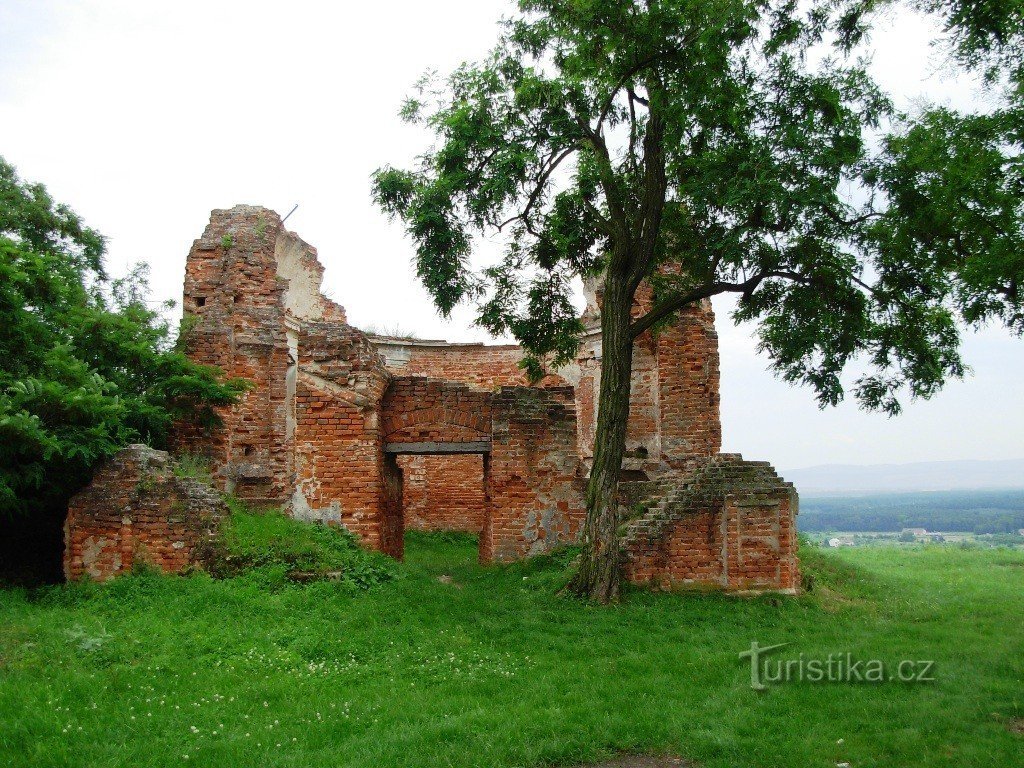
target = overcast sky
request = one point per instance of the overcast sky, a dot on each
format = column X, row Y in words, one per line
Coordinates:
column 145, row 116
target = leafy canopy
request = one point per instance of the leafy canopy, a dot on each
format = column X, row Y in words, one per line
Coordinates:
column 690, row 143
column 86, row 366
column 948, row 184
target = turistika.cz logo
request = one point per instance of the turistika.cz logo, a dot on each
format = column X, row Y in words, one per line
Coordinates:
column 834, row 668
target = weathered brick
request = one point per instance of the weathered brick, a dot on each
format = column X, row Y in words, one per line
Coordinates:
column 328, row 400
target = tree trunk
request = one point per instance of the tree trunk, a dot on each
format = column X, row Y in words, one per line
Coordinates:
column 598, row 576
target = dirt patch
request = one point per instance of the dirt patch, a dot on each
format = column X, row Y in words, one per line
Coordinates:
column 1016, row 725
column 641, row 761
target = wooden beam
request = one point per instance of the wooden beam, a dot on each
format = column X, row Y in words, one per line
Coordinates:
column 428, row 448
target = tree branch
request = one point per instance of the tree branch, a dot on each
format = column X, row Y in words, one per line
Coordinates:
column 542, row 179
column 664, row 308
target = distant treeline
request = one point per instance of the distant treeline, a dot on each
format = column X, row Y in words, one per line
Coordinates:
column 971, row 511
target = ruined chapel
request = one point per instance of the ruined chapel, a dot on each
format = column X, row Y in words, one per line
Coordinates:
column 381, row 434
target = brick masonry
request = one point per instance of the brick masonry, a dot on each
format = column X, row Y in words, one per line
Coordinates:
column 728, row 525
column 380, row 434
column 533, row 482
column 136, row 511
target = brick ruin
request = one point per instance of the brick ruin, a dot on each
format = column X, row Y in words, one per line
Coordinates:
column 381, row 434
column 138, row 512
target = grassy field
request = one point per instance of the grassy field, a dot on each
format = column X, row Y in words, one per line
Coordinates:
column 451, row 664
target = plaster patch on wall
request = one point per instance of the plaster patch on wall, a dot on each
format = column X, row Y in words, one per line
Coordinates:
column 301, row 510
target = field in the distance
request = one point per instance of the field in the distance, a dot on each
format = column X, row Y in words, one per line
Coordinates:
column 457, row 665
column 978, row 512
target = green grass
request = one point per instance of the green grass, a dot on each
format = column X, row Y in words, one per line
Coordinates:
column 453, row 664
column 273, row 550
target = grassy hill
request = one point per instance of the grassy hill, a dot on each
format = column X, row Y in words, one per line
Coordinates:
column 454, row 664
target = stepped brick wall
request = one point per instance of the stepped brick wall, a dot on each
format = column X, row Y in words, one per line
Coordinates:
column 339, row 459
column 727, row 524
column 136, row 511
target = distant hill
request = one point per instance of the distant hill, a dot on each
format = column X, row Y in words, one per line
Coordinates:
column 920, row 476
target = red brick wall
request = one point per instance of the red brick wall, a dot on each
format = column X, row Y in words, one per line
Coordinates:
column 424, row 410
column 674, row 406
column 326, row 402
column 688, row 381
column 729, row 525
column 534, row 490
column 479, row 366
column 339, row 458
column 761, row 543
column 235, row 299
column 136, row 511
column 443, row 493
column 440, row 492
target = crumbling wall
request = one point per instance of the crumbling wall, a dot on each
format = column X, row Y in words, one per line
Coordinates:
column 440, row 492
column 332, row 412
column 688, row 379
column 533, row 486
column 674, row 388
column 419, row 410
column 249, row 284
column 730, row 524
column 137, row 511
column 235, row 320
column 339, row 458
column 476, row 365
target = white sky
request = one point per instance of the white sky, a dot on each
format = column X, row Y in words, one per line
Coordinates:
column 145, row 116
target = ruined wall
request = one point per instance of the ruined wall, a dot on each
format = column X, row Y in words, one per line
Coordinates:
column 136, row 511
column 688, row 379
column 339, row 458
column 334, row 411
column 476, row 365
column 420, row 410
column 729, row 525
column 234, row 314
column 249, row 284
column 674, row 393
column 440, row 492
column 533, row 485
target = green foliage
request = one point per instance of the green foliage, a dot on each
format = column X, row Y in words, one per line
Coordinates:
column 86, row 366
column 948, row 185
column 488, row 668
column 689, row 143
column 226, row 242
column 193, row 466
column 274, row 549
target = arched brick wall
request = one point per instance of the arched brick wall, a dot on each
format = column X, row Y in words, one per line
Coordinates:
column 419, row 410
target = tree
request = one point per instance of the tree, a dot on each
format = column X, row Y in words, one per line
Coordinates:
column 949, row 185
column 86, row 366
column 686, row 143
